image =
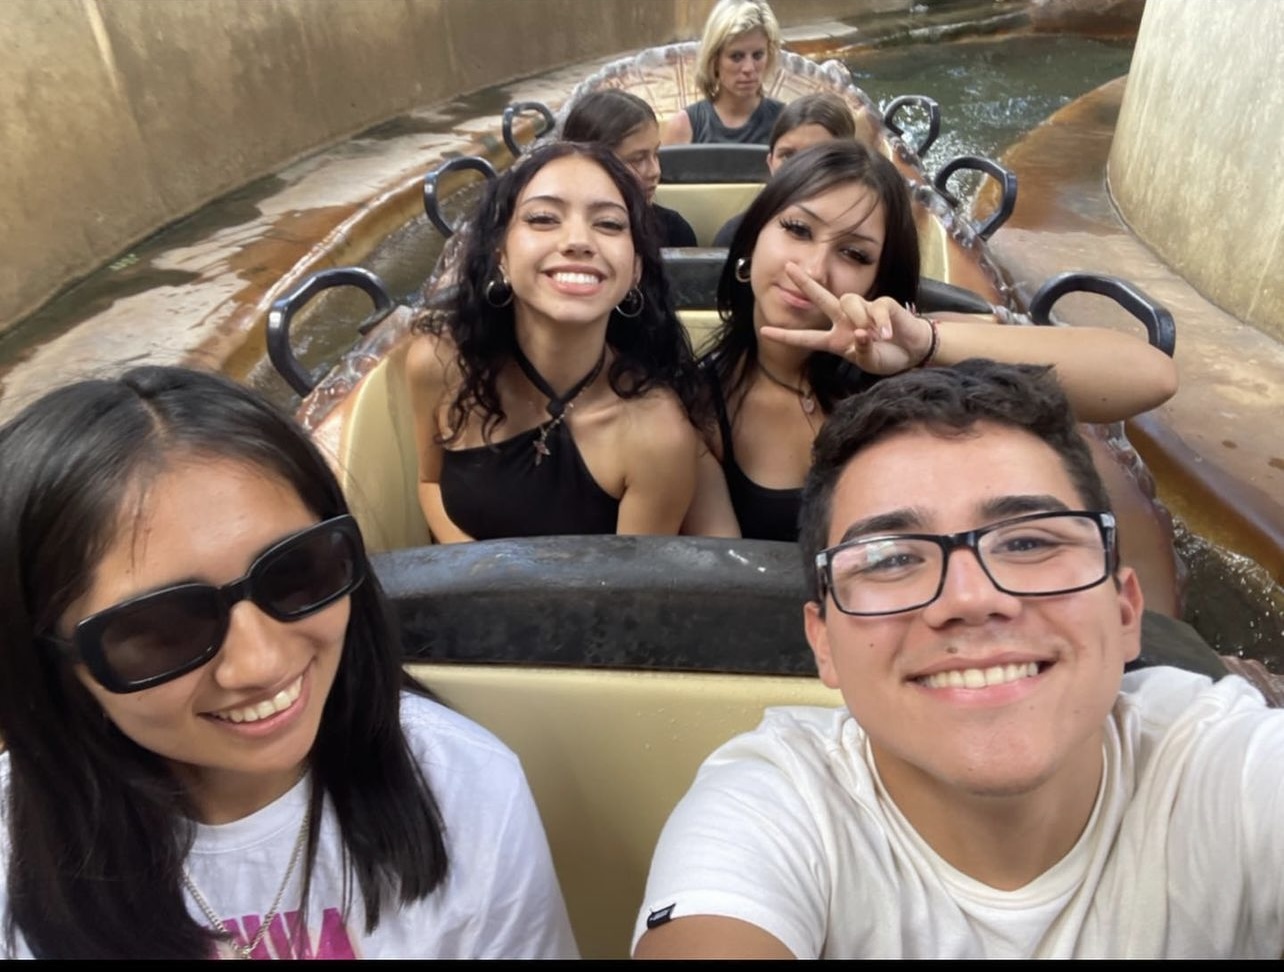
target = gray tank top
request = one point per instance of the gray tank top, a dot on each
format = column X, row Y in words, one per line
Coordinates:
column 706, row 126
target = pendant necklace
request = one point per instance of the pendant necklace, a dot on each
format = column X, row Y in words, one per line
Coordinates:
column 557, row 404
column 247, row 950
column 806, row 398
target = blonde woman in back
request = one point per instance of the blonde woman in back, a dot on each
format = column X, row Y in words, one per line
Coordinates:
column 738, row 54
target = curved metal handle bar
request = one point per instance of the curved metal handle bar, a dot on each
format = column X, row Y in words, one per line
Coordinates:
column 432, row 207
column 979, row 163
column 517, row 108
column 1160, row 326
column 933, row 119
column 283, row 309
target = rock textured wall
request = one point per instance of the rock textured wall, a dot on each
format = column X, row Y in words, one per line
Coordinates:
column 1195, row 162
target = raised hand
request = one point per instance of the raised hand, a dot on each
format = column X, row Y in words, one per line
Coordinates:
column 880, row 335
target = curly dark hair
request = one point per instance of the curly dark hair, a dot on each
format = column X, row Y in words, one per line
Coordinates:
column 651, row 349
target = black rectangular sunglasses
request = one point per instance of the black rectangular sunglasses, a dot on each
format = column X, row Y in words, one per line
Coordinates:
column 153, row 638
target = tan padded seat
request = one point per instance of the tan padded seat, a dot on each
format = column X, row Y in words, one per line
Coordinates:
column 608, row 754
column 377, row 463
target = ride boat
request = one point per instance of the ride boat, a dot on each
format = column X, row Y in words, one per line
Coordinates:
column 612, row 664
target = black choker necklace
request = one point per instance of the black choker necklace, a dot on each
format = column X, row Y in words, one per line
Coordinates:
column 807, row 399
column 557, row 404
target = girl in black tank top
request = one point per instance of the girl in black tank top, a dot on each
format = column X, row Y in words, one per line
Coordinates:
column 560, row 381
column 817, row 299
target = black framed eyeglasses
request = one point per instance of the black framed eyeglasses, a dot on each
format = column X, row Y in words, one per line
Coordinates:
column 1037, row 555
column 155, row 637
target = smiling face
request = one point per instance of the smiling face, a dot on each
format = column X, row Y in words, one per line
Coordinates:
column 568, row 252
column 640, row 151
column 741, row 64
column 794, row 141
column 836, row 236
column 1060, row 657
column 238, row 729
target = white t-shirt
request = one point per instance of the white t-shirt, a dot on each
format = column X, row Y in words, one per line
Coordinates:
column 500, row 898
column 788, row 828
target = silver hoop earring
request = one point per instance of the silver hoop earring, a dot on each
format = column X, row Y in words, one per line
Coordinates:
column 504, row 288
column 632, row 304
column 742, row 270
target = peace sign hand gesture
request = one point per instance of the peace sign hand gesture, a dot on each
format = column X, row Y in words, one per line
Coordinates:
column 880, row 336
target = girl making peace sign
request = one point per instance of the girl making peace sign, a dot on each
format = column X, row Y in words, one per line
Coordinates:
column 816, row 298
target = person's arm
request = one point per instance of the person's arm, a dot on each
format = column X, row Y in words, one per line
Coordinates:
column 709, row 937
column 677, row 130
column 660, row 467
column 1107, row 376
column 711, row 513
column 427, row 361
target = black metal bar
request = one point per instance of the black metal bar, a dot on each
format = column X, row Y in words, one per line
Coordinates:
column 979, row 163
column 432, row 206
column 933, row 119
column 283, row 309
column 1160, row 326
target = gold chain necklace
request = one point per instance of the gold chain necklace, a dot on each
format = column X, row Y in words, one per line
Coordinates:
column 245, row 951
column 806, row 398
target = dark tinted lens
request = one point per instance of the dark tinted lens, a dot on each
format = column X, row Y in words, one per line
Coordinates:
column 307, row 574
column 161, row 634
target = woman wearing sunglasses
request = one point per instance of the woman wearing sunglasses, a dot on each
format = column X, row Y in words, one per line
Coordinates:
column 212, row 748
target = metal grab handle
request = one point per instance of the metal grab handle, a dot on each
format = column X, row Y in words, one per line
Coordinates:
column 462, row 164
column 981, row 164
column 1160, row 326
column 283, row 309
column 933, row 119
column 517, row 108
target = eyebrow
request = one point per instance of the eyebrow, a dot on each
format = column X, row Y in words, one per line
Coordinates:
column 558, row 200
column 912, row 518
column 850, row 233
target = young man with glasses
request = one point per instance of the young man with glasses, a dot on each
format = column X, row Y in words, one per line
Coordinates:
column 995, row 786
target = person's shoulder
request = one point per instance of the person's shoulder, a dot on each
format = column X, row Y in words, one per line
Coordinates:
column 1157, row 700
column 443, row 737
column 727, row 232
column 656, row 428
column 431, row 355
column 791, row 734
column 674, row 228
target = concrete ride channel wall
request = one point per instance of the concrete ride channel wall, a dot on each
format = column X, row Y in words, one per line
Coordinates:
column 121, row 116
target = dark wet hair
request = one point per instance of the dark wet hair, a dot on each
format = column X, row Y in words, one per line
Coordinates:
column 734, row 348
column 97, row 826
column 823, row 108
column 651, row 349
column 608, row 116
column 946, row 402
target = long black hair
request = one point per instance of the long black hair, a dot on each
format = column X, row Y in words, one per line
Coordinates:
column 651, row 349
column 734, row 348
column 97, row 826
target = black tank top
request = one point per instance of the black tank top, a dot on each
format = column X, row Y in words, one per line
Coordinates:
column 763, row 514
column 706, row 126
column 498, row 490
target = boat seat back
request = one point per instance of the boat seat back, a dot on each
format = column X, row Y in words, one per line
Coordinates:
column 713, row 162
column 707, row 206
column 378, row 464
column 608, row 755
column 694, row 273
